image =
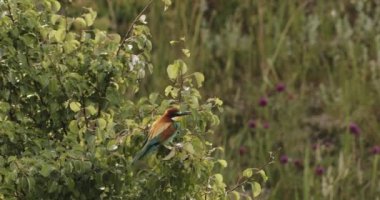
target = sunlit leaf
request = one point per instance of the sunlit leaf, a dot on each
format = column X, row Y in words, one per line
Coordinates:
column 189, row 148
column 79, row 23
column 186, row 52
column 90, row 17
column 256, row 189
column 248, row 172
column 170, row 155
column 223, row 163
column 199, row 77
column 102, row 123
column 75, row 106
column 112, row 145
column 177, row 68
column 263, row 175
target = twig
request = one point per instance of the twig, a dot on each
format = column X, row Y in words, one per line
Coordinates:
column 237, row 185
column 131, row 26
column 10, row 11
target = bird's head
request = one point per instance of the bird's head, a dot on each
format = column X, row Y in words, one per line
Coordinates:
column 174, row 112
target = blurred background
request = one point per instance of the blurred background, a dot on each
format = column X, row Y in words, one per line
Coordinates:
column 298, row 78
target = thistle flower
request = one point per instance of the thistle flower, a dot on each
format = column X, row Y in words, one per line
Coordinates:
column 280, row 87
column 266, row 125
column 298, row 164
column 319, row 170
column 354, row 129
column 375, row 150
column 263, row 101
column 252, row 123
column 284, row 159
column 243, row 150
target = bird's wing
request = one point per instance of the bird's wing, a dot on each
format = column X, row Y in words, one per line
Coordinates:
column 158, row 128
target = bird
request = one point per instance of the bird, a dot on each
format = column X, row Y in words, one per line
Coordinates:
column 163, row 130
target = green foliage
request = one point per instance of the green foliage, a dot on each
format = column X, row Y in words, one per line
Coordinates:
column 71, row 119
column 325, row 52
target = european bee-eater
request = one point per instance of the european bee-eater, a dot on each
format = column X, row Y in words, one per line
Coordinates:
column 163, row 130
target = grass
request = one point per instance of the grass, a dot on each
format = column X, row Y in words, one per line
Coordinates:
column 327, row 55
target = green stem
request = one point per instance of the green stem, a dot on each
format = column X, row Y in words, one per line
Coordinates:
column 374, row 173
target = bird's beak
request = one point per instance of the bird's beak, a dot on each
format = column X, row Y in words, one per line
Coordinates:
column 183, row 113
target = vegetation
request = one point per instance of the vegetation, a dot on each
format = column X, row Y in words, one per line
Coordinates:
column 299, row 82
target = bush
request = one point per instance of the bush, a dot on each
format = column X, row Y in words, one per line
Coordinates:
column 71, row 118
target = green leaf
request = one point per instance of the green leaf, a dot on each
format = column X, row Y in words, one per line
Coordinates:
column 189, row 148
column 248, row 172
column 199, row 77
column 256, row 189
column 263, row 175
column 59, row 35
column 53, row 186
column 31, row 183
column 102, row 123
column 153, row 97
column 173, row 42
column 168, row 90
column 79, row 23
column 223, row 163
column 218, row 102
column 177, row 68
column 71, row 45
column 45, row 170
column 114, row 37
column 167, row 3
column 54, row 18
column 186, row 52
column 235, row 195
column 170, row 155
column 112, row 145
column 75, row 106
column 91, row 110
column 56, row 6
column 90, row 17
column 218, row 178
column 73, row 126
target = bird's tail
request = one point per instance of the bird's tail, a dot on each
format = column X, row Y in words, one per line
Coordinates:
column 144, row 151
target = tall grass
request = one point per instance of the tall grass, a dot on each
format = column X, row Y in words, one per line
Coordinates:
column 326, row 53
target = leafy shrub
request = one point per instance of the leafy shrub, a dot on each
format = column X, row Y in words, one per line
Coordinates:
column 71, row 118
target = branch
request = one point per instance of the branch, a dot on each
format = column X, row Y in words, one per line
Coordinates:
column 237, row 185
column 131, row 26
column 10, row 11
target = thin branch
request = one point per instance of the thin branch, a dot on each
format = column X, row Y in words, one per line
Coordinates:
column 237, row 185
column 131, row 27
column 10, row 11
column 83, row 101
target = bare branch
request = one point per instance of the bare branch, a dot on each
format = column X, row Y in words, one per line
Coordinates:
column 131, row 27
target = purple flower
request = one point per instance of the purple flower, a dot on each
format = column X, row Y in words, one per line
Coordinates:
column 284, row 159
column 263, row 101
column 375, row 150
column 298, row 164
column 354, row 129
column 315, row 146
column 280, row 87
column 266, row 125
column 319, row 170
column 243, row 150
column 252, row 123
